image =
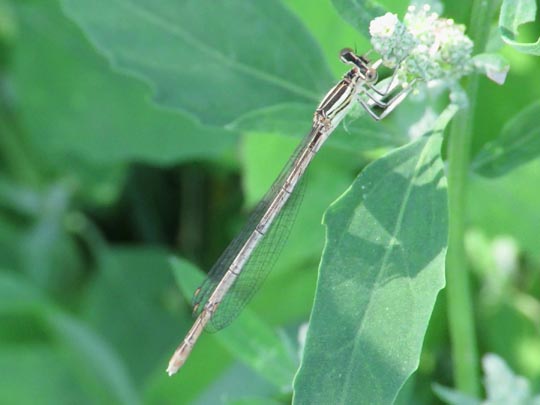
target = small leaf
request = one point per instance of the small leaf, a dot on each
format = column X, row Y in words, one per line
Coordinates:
column 359, row 13
column 513, row 14
column 382, row 268
column 518, row 143
column 493, row 65
column 248, row 338
column 453, row 397
column 217, row 60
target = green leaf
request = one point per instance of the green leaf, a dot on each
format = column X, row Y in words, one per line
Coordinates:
column 48, row 254
column 517, row 144
column 96, row 366
column 75, row 108
column 38, row 371
column 359, row 13
column 326, row 25
column 493, row 65
column 253, row 401
column 17, row 296
column 453, row 397
column 508, row 205
column 381, row 270
column 127, row 304
column 216, row 60
column 100, row 365
column 513, row 14
column 327, row 177
column 248, row 338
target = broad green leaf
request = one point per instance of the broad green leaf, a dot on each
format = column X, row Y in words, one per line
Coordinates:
column 40, row 245
column 326, row 25
column 18, row 296
column 263, row 158
column 513, row 14
column 48, row 254
column 227, row 388
column 101, row 366
column 93, row 362
column 33, row 373
column 10, row 236
column 248, row 338
column 508, row 205
column 356, row 135
column 206, row 364
column 381, row 270
column 127, row 304
column 216, row 60
column 517, row 144
column 75, row 109
column 8, row 26
column 254, row 401
column 18, row 198
column 295, row 285
column 359, row 13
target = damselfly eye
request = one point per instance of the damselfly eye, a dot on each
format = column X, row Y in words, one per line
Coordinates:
column 371, row 75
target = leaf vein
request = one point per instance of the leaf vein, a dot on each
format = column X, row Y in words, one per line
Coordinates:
column 213, row 53
column 393, row 242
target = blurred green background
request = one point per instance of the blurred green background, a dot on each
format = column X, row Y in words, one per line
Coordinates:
column 100, row 187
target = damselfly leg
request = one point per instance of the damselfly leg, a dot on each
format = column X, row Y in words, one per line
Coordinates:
column 371, row 97
column 389, row 105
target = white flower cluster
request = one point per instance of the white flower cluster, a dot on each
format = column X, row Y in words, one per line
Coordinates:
column 425, row 46
column 385, row 32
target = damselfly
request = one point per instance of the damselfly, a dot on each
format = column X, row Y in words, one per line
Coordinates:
column 243, row 266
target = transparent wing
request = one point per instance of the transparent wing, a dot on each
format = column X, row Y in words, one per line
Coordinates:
column 263, row 257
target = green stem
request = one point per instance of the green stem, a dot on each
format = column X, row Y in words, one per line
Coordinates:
column 460, row 308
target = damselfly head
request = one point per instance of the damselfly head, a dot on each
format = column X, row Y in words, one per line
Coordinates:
column 347, row 55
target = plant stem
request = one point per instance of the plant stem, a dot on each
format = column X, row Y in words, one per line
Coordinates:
column 460, row 308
